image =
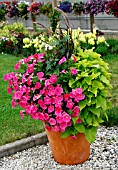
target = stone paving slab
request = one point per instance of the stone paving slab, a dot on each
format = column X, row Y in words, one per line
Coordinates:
column 22, row 144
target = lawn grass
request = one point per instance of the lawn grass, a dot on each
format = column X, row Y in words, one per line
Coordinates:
column 12, row 127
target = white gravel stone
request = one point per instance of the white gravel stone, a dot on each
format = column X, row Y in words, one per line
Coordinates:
column 104, row 156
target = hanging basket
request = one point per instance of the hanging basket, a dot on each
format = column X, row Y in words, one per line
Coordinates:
column 69, row 150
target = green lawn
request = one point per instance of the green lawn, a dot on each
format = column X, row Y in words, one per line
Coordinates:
column 12, row 127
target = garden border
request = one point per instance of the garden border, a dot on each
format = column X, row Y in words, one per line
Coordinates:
column 23, row 144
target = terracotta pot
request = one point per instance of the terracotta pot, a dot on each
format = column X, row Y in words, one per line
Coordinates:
column 69, row 150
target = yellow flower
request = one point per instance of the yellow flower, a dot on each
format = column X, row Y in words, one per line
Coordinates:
column 26, row 40
column 91, row 41
column 101, row 39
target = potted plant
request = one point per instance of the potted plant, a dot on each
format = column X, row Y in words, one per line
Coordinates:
column 64, row 86
column 112, row 8
column 78, row 8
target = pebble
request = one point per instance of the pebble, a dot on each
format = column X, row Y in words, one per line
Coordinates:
column 104, row 155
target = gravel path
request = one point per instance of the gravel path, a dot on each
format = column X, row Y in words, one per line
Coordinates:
column 104, row 156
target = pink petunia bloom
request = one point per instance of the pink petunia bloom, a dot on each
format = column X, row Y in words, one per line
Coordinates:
column 52, row 121
column 47, row 82
column 36, row 97
column 79, row 97
column 76, row 111
column 40, row 75
column 58, row 90
column 23, row 89
column 40, row 116
column 69, row 104
column 30, row 68
column 74, row 71
column 62, row 60
column 46, row 116
column 13, row 104
column 53, row 99
column 17, row 95
column 51, row 90
column 37, row 85
column 29, row 82
column 47, row 100
column 79, row 90
column 48, row 127
column 58, row 99
column 31, row 109
column 53, row 78
column 73, row 94
column 21, row 114
column 35, row 115
column 59, row 118
column 66, row 118
column 50, row 108
column 15, row 87
column 69, row 123
column 17, row 66
column 66, row 97
column 10, row 82
column 55, row 128
column 9, row 90
column 62, row 126
column 79, row 120
column 58, row 110
column 74, row 58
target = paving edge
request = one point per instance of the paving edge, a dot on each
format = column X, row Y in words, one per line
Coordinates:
column 22, row 144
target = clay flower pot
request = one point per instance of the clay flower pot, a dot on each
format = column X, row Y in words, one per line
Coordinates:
column 69, row 150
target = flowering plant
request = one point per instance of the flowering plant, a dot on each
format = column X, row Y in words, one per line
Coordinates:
column 78, row 7
column 12, row 10
column 62, row 85
column 66, row 6
column 95, row 6
column 112, row 8
column 35, row 7
column 23, row 9
column 2, row 11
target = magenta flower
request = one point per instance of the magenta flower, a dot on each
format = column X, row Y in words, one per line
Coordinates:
column 74, row 58
column 59, row 118
column 52, row 121
column 40, row 116
column 30, row 68
column 47, row 100
column 17, row 66
column 23, row 89
column 58, row 90
column 62, row 60
column 74, row 71
column 17, row 95
column 70, row 104
column 79, row 120
column 79, row 90
column 66, row 97
column 58, row 110
column 37, row 85
column 9, row 90
column 50, row 109
column 46, row 116
column 66, row 118
column 40, row 75
column 47, row 82
column 55, row 128
column 13, row 104
column 21, row 114
column 58, row 99
column 76, row 111
column 53, row 78
column 51, row 90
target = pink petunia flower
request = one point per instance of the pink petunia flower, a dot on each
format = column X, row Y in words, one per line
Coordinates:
column 17, row 66
column 70, row 104
column 62, row 60
column 76, row 111
column 37, row 85
column 9, row 90
column 74, row 58
column 53, row 78
column 40, row 75
column 58, row 110
column 74, row 71
column 30, row 68
column 46, row 116
column 21, row 114
column 50, row 109
column 52, row 121
column 58, row 90
column 66, row 118
column 55, row 128
column 79, row 120
column 59, row 118
column 66, row 97
column 47, row 100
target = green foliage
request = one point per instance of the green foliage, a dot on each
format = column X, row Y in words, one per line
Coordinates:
column 94, row 79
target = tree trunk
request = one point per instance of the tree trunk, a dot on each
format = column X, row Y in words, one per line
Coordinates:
column 91, row 21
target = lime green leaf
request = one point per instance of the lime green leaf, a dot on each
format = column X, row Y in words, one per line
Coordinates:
column 80, row 128
column 90, row 134
column 89, row 119
column 66, row 133
column 88, row 80
column 71, row 81
column 95, row 111
column 101, row 102
column 74, row 119
column 82, row 104
column 97, row 84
